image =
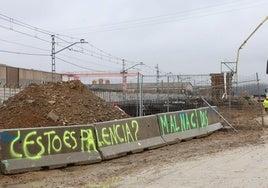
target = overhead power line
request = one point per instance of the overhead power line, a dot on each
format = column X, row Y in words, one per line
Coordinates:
column 219, row 7
column 93, row 51
column 23, row 53
column 213, row 9
column 28, row 46
column 98, row 53
column 24, row 33
column 21, row 27
column 84, row 61
column 86, row 68
column 22, row 24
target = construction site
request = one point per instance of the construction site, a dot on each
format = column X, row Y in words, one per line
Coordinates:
column 215, row 114
column 145, row 94
column 67, row 103
column 75, row 115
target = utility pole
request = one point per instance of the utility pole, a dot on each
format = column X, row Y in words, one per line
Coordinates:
column 54, row 52
column 124, row 76
column 124, row 65
column 124, row 79
column 53, row 67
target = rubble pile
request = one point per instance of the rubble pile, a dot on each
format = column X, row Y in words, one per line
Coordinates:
column 56, row 104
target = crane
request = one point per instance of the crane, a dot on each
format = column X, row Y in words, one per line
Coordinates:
column 241, row 46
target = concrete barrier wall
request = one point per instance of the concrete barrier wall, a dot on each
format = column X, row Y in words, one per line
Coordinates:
column 52, row 147
column 214, row 120
column 118, row 138
column 32, row 149
column 184, row 125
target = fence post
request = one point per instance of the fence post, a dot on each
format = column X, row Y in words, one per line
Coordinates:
column 138, row 87
column 168, row 94
column 230, row 94
column 141, row 95
column 260, row 104
column 4, row 92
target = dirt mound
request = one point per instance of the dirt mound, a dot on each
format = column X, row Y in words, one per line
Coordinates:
column 56, row 104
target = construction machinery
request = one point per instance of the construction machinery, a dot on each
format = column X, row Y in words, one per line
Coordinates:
column 241, row 46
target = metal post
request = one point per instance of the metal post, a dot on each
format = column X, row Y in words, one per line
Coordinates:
column 124, row 80
column 4, row 92
column 53, row 67
column 168, row 95
column 54, row 52
column 157, row 82
column 141, row 95
column 230, row 94
column 138, row 87
column 221, row 116
column 260, row 104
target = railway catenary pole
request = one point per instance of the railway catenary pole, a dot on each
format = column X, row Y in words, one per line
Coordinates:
column 124, row 76
column 53, row 67
column 54, row 52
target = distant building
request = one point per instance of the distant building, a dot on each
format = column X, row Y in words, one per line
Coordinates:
column 14, row 77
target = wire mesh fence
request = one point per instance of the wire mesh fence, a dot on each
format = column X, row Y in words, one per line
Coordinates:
column 9, row 90
column 152, row 94
column 6, row 92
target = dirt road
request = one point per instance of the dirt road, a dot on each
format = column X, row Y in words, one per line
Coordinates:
column 240, row 167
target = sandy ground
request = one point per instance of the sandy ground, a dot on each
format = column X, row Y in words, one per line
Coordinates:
column 222, row 159
column 240, row 167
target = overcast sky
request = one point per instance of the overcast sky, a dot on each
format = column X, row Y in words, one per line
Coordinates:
column 182, row 37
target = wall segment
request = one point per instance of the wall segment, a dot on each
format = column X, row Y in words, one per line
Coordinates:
column 184, row 125
column 31, row 149
column 117, row 138
column 51, row 147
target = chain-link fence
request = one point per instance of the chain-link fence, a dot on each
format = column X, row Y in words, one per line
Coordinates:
column 153, row 94
column 8, row 90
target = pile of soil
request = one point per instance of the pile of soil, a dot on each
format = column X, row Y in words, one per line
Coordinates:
column 56, row 104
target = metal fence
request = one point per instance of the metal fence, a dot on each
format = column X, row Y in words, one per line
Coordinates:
column 151, row 94
column 6, row 92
